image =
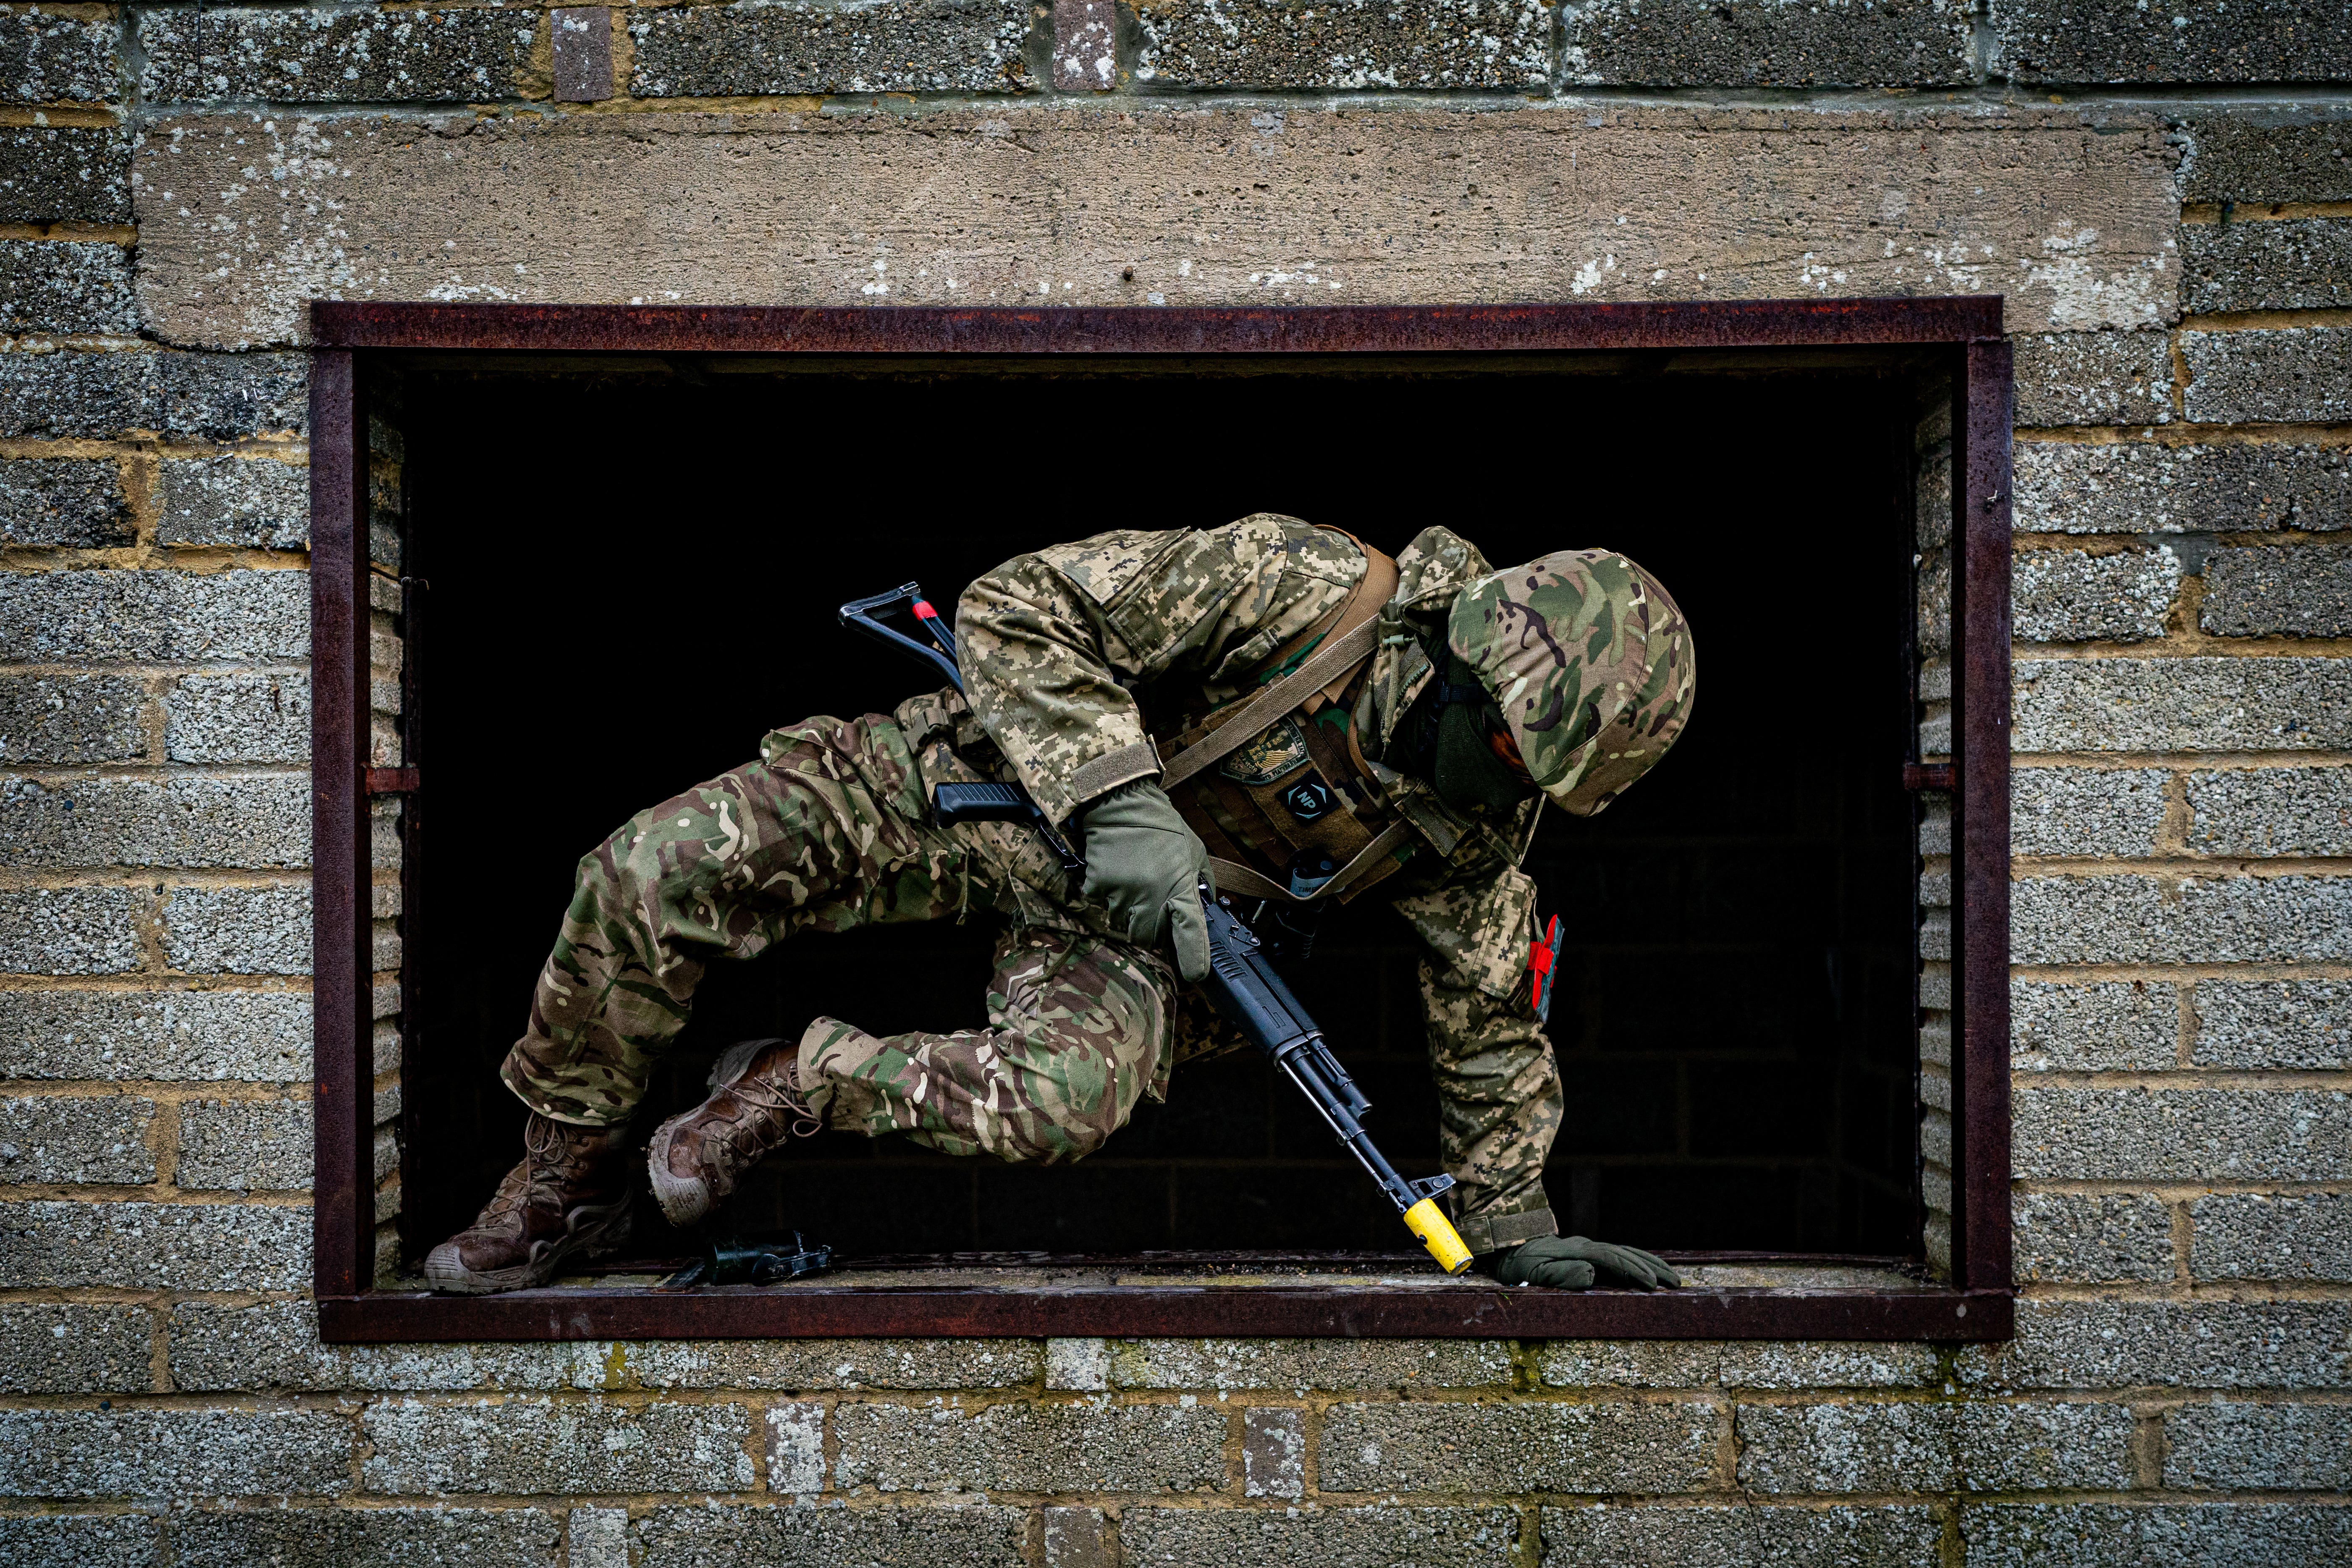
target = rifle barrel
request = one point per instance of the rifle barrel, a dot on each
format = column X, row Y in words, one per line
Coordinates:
column 1245, row 988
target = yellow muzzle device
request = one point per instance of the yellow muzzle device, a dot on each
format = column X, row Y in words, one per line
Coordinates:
column 1427, row 1221
column 1246, row 989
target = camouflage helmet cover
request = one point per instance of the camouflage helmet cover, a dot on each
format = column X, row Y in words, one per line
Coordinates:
column 1590, row 662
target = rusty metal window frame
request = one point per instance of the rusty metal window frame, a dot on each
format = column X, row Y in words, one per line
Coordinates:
column 1960, row 336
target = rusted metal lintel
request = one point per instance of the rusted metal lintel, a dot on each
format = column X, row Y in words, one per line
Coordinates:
column 1170, row 330
column 1926, row 775
column 392, row 781
column 1348, row 1312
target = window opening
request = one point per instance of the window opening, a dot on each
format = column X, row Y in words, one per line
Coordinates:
column 1732, row 1011
column 1736, row 1008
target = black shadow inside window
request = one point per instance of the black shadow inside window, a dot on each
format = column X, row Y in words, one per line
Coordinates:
column 633, row 578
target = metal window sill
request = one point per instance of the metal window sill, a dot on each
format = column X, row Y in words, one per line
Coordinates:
column 1757, row 1297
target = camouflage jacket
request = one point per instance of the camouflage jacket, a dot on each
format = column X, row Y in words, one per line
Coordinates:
column 1054, row 645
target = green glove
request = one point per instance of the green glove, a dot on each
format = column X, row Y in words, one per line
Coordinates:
column 1571, row 1263
column 1146, row 866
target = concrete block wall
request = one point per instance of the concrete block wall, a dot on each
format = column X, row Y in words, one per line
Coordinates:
column 2163, row 197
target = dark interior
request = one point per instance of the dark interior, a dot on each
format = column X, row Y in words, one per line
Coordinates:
column 632, row 576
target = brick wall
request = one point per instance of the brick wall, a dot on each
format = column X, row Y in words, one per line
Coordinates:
column 2164, row 196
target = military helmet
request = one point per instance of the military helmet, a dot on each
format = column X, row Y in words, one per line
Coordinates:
column 1590, row 663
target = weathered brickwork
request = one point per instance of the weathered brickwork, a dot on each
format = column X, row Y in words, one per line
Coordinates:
column 2200, row 704
column 2265, row 155
column 230, row 500
column 2289, row 1024
column 334, row 54
column 2066, row 595
column 58, row 54
column 2172, row 240
column 2201, row 41
column 65, row 288
column 1350, row 44
column 64, row 500
column 2142, row 487
column 2083, row 1237
column 2104, row 1025
column 2083, row 811
column 2268, row 375
column 755, row 46
column 2092, row 378
column 66, row 174
column 2279, row 593
column 109, row 394
column 2291, row 264
column 1767, row 44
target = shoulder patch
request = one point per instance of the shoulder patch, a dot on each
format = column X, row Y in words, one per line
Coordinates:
column 1274, row 751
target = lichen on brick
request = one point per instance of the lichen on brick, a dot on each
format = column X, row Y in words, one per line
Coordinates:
column 755, row 46
column 1346, row 44
column 333, row 53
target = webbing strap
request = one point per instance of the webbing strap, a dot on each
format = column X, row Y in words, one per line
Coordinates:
column 1366, row 859
column 1231, row 877
column 1341, row 653
column 1354, row 638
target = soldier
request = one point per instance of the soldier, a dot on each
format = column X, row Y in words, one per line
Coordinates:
column 1270, row 703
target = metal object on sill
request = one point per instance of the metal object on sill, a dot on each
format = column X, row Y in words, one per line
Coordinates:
column 752, row 1260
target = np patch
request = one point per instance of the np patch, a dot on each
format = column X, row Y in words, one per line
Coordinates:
column 1307, row 800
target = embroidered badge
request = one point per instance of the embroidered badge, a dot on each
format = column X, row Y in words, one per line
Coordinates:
column 1268, row 756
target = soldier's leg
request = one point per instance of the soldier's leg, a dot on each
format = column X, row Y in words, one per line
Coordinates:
column 1500, row 1109
column 826, row 831
column 1078, row 1028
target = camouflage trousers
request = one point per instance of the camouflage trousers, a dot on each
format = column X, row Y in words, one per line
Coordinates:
column 831, row 829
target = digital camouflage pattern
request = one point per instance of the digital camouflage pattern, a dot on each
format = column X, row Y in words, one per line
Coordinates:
column 1050, row 645
column 1045, row 640
column 1592, row 663
column 831, row 829
column 1499, row 1099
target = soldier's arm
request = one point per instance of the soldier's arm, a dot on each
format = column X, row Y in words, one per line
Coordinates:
column 1497, row 1083
column 1049, row 643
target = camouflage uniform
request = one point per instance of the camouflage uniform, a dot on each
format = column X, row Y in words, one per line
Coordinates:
column 831, row 829
column 1590, row 662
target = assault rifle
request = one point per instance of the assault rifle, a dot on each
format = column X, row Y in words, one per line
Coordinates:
column 1242, row 980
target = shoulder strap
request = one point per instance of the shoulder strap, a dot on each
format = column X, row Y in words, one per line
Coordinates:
column 1337, row 657
column 1353, row 636
column 1231, row 877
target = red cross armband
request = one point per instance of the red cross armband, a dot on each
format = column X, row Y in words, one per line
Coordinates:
column 1543, row 960
column 1543, row 957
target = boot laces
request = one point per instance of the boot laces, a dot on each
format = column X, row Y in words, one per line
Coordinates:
column 783, row 1110
column 547, row 1161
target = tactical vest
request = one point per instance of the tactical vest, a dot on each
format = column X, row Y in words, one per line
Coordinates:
column 1275, row 783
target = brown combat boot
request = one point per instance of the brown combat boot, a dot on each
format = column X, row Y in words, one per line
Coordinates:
column 755, row 1104
column 571, row 1194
